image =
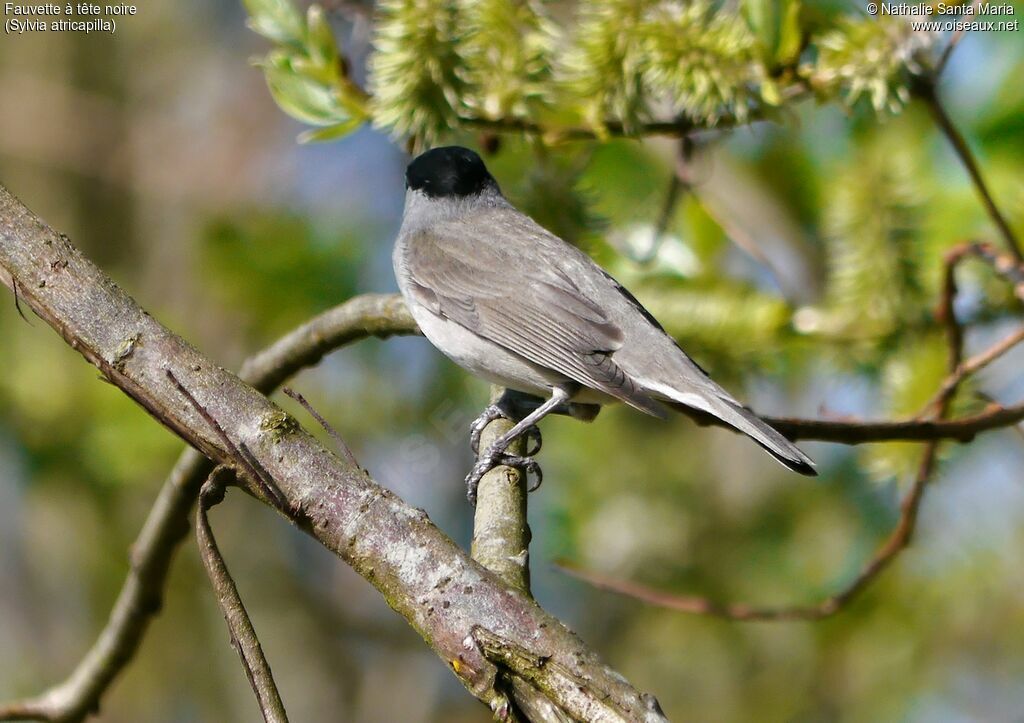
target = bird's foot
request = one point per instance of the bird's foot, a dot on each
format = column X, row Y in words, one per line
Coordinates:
column 495, row 458
column 476, row 429
column 493, row 412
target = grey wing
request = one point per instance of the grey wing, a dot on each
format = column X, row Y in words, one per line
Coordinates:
column 509, row 292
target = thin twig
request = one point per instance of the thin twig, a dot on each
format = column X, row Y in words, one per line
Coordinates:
column 954, row 40
column 927, row 92
column 243, row 634
column 342, row 446
column 859, row 431
column 1007, row 267
column 1010, row 270
column 676, row 129
column 17, row 304
column 988, row 399
column 973, row 365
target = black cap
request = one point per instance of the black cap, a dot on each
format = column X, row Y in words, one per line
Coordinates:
column 447, row 172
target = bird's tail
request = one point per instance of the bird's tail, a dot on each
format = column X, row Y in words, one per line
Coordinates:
column 743, row 420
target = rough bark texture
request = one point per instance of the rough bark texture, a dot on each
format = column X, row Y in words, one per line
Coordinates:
column 421, row 573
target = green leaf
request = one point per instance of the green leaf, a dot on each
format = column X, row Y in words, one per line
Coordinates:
column 304, row 72
column 302, row 98
column 313, row 69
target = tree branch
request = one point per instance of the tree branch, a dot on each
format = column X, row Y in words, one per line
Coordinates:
column 379, row 315
column 501, row 533
column 501, row 543
column 421, row 573
column 579, row 698
column 140, row 599
column 846, row 431
column 972, row 366
column 243, row 634
column 678, row 128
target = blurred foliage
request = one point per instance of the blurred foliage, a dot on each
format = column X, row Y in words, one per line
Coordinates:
column 735, row 319
column 418, row 75
column 439, row 65
column 604, row 66
column 853, row 204
column 716, row 54
column 872, row 226
column 506, row 54
column 910, row 377
column 869, row 57
column 252, row 258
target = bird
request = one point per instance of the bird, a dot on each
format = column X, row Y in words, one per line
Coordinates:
column 516, row 305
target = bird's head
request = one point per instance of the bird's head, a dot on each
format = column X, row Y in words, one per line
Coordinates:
column 448, row 172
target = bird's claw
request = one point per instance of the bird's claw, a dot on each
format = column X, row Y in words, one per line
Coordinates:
column 525, row 464
column 476, row 474
column 532, row 433
column 476, row 429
